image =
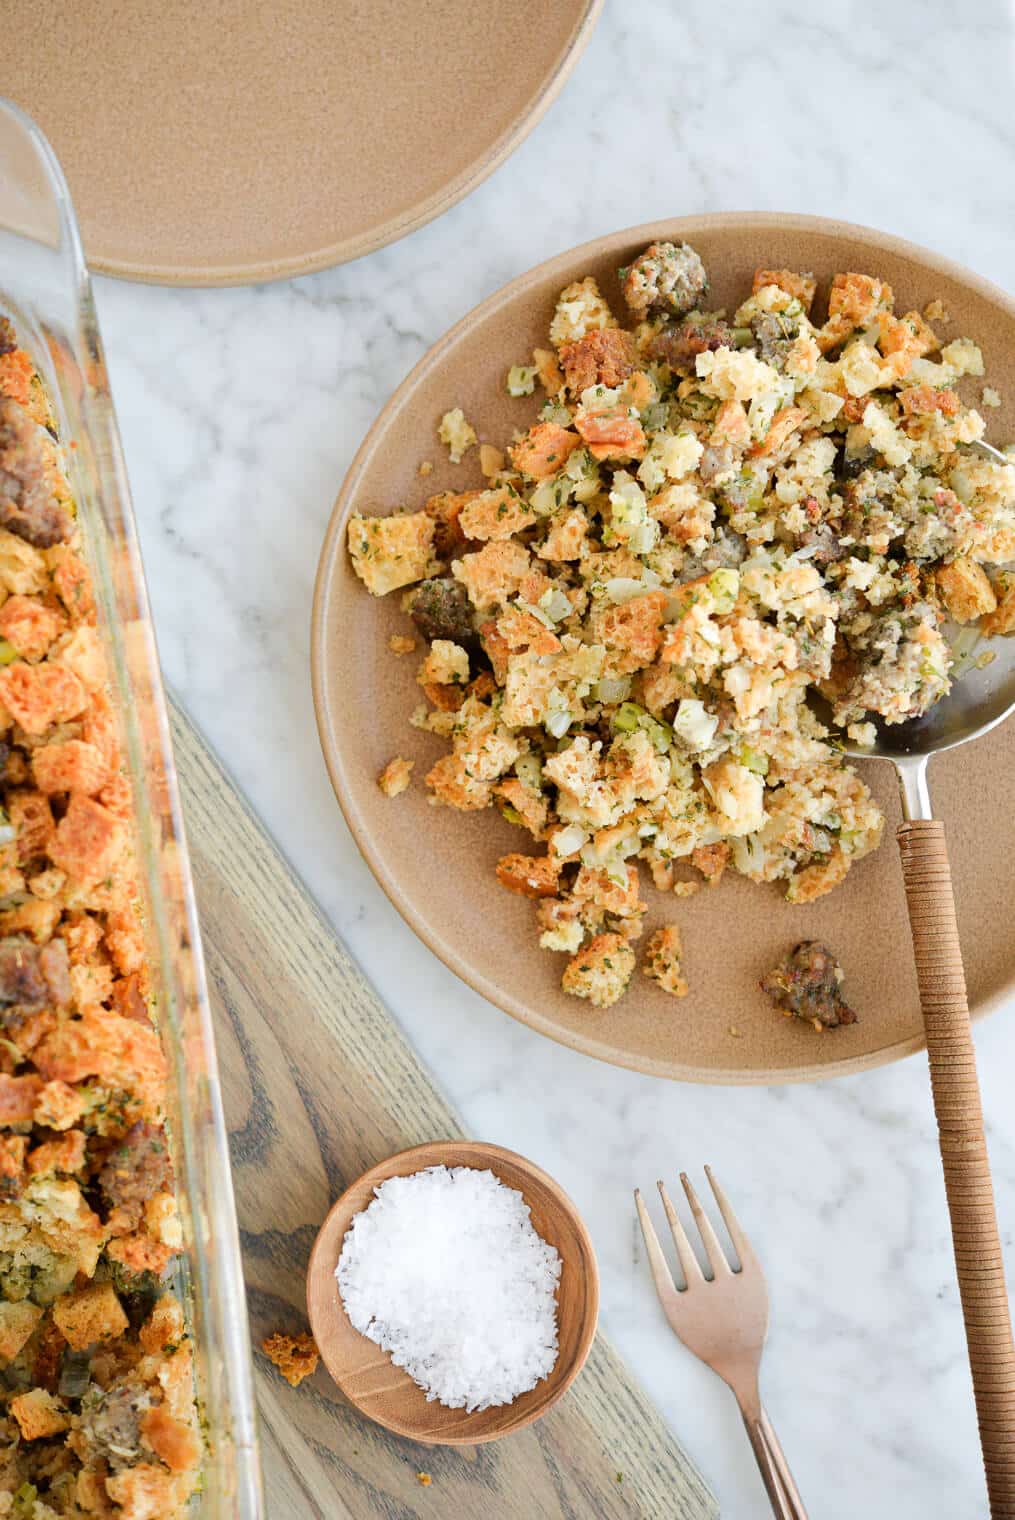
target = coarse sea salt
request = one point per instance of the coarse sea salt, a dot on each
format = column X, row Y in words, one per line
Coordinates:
column 445, row 1270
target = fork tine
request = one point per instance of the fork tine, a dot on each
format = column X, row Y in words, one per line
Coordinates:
column 709, row 1239
column 688, row 1261
column 741, row 1244
column 657, row 1261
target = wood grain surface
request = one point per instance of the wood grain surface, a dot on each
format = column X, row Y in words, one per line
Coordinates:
column 318, row 1085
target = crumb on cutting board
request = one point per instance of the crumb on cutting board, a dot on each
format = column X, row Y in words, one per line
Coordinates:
column 401, row 643
column 424, row 1479
column 295, row 1356
column 425, row 467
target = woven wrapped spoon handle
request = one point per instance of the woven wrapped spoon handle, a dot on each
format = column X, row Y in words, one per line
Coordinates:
column 978, row 1260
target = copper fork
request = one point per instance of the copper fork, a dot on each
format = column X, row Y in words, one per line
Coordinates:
column 723, row 1320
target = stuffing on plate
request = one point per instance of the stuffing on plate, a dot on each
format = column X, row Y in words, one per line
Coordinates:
column 97, row 1410
column 714, row 515
column 807, row 984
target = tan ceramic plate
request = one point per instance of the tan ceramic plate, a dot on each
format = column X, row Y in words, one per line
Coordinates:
column 437, row 866
column 222, row 143
column 366, row 1374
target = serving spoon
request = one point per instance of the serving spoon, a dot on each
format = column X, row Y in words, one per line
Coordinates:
column 981, row 699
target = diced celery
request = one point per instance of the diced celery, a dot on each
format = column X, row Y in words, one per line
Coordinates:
column 660, row 733
column 24, row 1502
column 512, row 814
column 724, row 586
column 627, row 718
column 7, row 652
column 754, row 760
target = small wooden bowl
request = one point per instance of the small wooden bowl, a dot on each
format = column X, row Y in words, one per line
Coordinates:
column 365, row 1373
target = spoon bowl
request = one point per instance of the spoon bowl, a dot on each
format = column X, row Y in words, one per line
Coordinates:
column 981, row 697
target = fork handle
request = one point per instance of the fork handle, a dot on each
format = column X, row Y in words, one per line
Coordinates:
column 978, row 1260
column 775, row 1474
column 795, row 1504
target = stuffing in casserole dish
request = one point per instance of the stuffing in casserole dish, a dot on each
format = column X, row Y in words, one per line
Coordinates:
column 97, row 1408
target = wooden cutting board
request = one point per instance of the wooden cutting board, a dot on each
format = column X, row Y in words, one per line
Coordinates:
column 319, row 1084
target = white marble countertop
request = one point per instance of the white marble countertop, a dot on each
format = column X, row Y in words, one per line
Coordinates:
column 241, row 410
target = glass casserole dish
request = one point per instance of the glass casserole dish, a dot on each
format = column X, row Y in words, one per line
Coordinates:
column 45, row 293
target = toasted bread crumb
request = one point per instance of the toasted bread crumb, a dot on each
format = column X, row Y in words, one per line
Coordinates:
column 491, row 460
column 295, row 1356
column 663, row 961
column 396, row 776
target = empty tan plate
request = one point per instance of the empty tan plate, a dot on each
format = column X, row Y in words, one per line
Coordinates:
column 224, row 142
column 366, row 1374
column 437, row 865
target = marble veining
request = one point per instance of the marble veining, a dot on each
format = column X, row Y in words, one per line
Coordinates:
column 240, row 411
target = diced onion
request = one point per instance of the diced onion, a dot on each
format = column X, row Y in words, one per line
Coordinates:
column 529, row 771
column 612, row 689
column 536, row 611
column 555, row 604
column 558, row 723
column 624, row 588
column 748, row 853
column 569, row 840
column 644, row 538
column 694, row 725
